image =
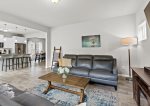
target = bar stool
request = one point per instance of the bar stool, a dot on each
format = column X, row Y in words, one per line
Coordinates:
column 7, row 61
column 26, row 60
column 18, row 61
column 38, row 57
column 42, row 56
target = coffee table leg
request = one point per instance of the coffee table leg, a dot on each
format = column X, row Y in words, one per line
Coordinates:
column 48, row 88
column 81, row 95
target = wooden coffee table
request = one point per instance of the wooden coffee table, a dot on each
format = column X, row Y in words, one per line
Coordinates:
column 73, row 81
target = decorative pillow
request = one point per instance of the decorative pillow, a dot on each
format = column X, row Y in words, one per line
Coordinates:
column 64, row 62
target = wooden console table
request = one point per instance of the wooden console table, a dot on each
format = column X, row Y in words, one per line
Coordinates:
column 141, row 83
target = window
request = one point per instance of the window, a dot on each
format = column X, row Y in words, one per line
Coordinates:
column 39, row 47
column 142, row 32
column 31, row 47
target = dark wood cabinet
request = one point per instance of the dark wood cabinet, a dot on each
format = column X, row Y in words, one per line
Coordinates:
column 141, row 84
column 20, row 48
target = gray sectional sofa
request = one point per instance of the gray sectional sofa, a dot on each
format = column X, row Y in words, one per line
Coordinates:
column 21, row 98
column 24, row 99
column 99, row 68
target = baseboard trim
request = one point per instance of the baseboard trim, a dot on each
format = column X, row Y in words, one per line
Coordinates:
column 48, row 67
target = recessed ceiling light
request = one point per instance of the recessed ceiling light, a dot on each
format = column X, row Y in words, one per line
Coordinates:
column 55, row 1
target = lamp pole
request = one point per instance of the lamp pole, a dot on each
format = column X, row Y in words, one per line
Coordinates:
column 129, row 41
column 129, row 62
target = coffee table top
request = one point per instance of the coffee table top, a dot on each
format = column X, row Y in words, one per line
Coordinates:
column 71, row 80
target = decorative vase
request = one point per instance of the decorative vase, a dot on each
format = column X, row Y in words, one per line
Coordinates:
column 64, row 76
column 64, row 80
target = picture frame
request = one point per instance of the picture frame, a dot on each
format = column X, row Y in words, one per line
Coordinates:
column 91, row 41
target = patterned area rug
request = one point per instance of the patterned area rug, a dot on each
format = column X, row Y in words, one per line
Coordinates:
column 94, row 96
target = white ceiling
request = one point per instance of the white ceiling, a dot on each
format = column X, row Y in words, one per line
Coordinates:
column 19, row 30
column 68, row 11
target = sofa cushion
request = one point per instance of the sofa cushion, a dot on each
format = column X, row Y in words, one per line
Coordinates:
column 103, row 81
column 103, row 74
column 79, row 71
column 84, row 61
column 103, row 64
column 27, row 99
column 102, row 57
column 5, row 101
column 73, row 59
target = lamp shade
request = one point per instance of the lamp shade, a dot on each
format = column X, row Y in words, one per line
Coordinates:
column 129, row 41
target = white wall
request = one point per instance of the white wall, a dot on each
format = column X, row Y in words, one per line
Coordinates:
column 37, row 35
column 111, row 30
column 48, row 48
column 143, row 47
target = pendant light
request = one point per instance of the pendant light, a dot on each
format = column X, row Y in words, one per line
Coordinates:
column 5, row 28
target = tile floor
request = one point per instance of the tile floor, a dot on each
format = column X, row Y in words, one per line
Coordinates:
column 28, row 78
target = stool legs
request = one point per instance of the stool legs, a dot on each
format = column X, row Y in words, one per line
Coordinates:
column 30, row 61
column 22, row 62
column 11, row 62
column 27, row 61
column 2, row 64
column 18, row 63
column 6, row 66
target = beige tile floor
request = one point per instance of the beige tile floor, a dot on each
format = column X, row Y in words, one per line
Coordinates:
column 28, row 78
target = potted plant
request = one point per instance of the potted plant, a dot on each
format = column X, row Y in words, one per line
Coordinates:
column 64, row 71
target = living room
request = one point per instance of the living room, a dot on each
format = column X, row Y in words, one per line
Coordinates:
column 72, row 25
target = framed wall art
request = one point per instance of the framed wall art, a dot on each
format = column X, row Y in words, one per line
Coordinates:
column 91, row 41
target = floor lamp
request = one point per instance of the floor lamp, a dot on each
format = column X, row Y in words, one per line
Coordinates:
column 129, row 41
